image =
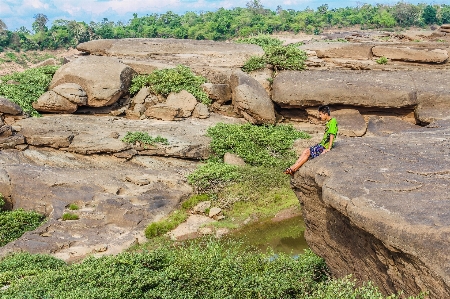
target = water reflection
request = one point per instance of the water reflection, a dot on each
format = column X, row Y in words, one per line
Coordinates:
column 285, row 236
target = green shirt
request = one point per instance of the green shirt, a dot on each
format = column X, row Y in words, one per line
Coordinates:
column 331, row 127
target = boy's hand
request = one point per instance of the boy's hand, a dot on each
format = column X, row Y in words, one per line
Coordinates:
column 325, row 151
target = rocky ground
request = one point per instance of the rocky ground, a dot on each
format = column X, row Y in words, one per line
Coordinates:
column 375, row 206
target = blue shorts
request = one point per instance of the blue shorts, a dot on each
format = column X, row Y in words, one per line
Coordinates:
column 316, row 150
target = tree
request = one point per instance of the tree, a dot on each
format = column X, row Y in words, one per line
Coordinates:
column 255, row 6
column 39, row 24
column 429, row 15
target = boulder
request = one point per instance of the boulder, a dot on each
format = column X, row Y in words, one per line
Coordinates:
column 430, row 111
column 200, row 111
column 140, row 97
column 50, row 61
column 256, row 107
column 377, row 208
column 5, row 131
column 72, row 92
column 9, row 107
column 50, row 101
column 351, row 123
column 201, row 207
column 183, row 101
column 162, row 111
column 340, row 50
column 264, row 77
column 103, row 79
column 233, row 159
column 445, row 26
column 304, row 89
column 219, row 93
column 11, row 141
column 251, row 99
column 413, row 55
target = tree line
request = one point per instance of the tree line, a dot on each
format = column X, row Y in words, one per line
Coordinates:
column 221, row 24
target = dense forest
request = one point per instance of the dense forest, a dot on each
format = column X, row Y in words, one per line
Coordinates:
column 222, row 24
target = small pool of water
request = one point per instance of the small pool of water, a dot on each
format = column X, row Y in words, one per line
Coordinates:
column 285, row 236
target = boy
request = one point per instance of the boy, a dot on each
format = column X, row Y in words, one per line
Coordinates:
column 331, row 130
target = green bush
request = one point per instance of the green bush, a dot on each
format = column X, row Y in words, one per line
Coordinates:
column 213, row 176
column 194, row 200
column 280, row 57
column 73, row 207
column 266, row 145
column 172, row 80
column 382, row 60
column 23, row 264
column 163, row 226
column 2, row 201
column 201, row 269
column 144, row 138
column 14, row 224
column 70, row 216
column 264, row 41
column 32, row 84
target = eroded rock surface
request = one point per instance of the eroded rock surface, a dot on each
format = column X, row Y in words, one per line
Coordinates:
column 378, row 208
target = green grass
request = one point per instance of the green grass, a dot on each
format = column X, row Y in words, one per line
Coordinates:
column 13, row 224
column 382, row 60
column 161, row 227
column 70, row 216
column 32, row 84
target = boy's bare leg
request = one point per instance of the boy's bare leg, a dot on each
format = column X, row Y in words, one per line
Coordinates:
column 301, row 160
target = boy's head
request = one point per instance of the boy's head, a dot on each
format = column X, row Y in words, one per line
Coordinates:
column 324, row 113
column 324, row 109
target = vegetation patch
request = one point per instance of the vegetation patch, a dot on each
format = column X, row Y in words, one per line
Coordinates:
column 143, row 138
column 73, row 207
column 199, row 269
column 27, row 86
column 172, row 80
column 161, row 227
column 280, row 57
column 70, row 216
column 13, row 224
column 382, row 60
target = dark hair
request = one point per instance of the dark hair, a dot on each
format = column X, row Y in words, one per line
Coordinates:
column 324, row 109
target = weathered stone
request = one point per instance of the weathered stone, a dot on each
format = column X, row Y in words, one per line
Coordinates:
column 11, row 141
column 387, row 125
column 255, row 106
column 445, row 26
column 384, row 218
column 233, row 159
column 139, row 109
column 5, row 131
column 220, row 93
column 200, row 111
column 162, row 111
column 183, row 101
column 140, row 97
column 214, row 211
column 50, row 61
column 55, row 103
column 201, row 207
column 128, row 154
column 408, row 54
column 264, row 77
column 340, row 50
column 8, row 107
column 189, row 228
column 73, row 92
column 96, row 144
column 356, row 88
column 351, row 122
column 87, row 71
column 429, row 111
column 174, row 51
column 50, row 139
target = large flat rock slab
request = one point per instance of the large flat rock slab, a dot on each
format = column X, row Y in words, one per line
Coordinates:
column 379, row 208
column 87, row 134
column 174, row 51
column 379, row 89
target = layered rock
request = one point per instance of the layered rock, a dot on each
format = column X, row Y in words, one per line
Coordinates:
column 408, row 54
column 104, row 79
column 385, row 217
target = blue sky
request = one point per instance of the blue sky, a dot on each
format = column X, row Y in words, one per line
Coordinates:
column 17, row 13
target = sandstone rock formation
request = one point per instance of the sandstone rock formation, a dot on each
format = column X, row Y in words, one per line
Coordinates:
column 408, row 54
column 378, row 207
column 183, row 101
column 9, row 107
column 53, row 102
column 104, row 79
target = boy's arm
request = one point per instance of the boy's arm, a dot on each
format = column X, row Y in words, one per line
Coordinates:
column 330, row 144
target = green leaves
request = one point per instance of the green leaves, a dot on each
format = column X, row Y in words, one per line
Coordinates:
column 32, row 83
column 281, row 57
column 144, row 138
column 258, row 145
column 14, row 224
column 172, row 80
